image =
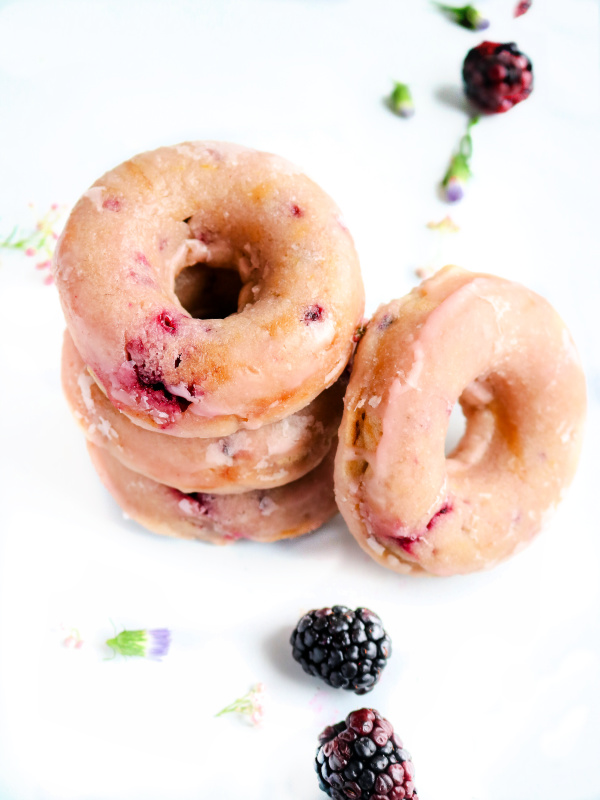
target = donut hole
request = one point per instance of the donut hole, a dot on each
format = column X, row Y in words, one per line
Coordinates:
column 457, row 426
column 208, row 292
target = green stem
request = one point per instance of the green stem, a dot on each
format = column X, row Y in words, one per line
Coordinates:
column 466, row 16
column 465, row 147
column 400, row 100
column 241, row 706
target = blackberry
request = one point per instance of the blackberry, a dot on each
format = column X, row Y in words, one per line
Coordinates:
column 497, row 76
column 348, row 649
column 362, row 757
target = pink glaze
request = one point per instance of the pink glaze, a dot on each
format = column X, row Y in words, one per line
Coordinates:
column 227, row 207
column 506, row 356
column 261, row 459
column 262, row 516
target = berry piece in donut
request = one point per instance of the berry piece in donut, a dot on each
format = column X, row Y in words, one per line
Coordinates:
column 505, row 355
column 362, row 758
column 145, row 370
column 314, row 314
column 347, row 649
column 148, row 233
column 167, row 321
column 194, row 503
column 111, row 204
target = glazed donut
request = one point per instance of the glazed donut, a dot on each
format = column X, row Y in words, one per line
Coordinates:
column 263, row 516
column 262, row 459
column 506, row 356
column 138, row 227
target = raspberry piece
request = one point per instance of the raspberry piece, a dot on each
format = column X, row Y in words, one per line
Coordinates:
column 497, row 76
column 351, row 768
column 348, row 649
column 522, row 7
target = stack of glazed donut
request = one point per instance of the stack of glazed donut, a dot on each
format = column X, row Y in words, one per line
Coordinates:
column 209, row 428
column 227, row 428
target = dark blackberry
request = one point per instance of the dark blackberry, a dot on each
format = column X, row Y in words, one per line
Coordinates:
column 497, row 76
column 347, row 649
column 362, row 758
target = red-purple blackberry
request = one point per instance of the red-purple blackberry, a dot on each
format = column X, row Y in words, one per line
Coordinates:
column 347, row 649
column 362, row 757
column 497, row 76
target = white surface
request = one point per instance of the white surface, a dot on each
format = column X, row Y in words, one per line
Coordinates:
column 494, row 680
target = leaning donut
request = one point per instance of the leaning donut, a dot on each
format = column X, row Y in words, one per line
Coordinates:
column 228, row 207
column 262, row 516
column 506, row 356
column 262, row 459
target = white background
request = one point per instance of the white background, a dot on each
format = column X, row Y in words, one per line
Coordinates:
column 494, row 681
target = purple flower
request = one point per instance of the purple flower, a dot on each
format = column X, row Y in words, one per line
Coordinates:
column 480, row 23
column 454, row 190
column 459, row 171
column 159, row 641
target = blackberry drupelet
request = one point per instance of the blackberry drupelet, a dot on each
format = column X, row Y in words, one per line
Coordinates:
column 347, row 649
column 362, row 758
column 497, row 76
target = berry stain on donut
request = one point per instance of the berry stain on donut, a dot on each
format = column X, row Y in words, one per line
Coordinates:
column 234, row 536
column 225, row 448
column 167, row 322
column 445, row 509
column 203, row 502
column 194, row 503
column 112, row 204
column 141, row 259
column 407, row 543
column 206, row 237
column 149, row 382
column 313, row 314
column 156, row 391
column 385, row 322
